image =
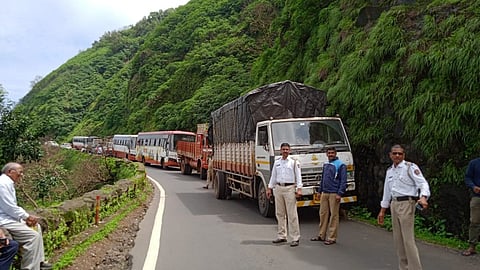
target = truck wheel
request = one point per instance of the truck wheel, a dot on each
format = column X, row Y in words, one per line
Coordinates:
column 265, row 206
column 188, row 169
column 220, row 186
column 203, row 173
column 182, row 167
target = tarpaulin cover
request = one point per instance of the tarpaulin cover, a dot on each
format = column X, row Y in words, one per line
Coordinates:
column 236, row 121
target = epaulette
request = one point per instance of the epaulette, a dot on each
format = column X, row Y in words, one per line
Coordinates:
column 416, row 170
column 410, row 164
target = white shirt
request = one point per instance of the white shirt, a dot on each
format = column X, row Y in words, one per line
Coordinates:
column 9, row 210
column 403, row 180
column 286, row 171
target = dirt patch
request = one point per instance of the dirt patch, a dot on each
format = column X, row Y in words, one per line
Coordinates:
column 113, row 251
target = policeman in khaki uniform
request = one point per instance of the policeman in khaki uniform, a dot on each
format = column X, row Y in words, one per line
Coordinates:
column 287, row 180
column 404, row 182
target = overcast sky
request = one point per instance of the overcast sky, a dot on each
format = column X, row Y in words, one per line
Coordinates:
column 38, row 36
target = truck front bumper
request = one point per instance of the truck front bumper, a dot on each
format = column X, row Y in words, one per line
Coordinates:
column 311, row 198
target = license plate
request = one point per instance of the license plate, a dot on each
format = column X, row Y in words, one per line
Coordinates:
column 308, row 191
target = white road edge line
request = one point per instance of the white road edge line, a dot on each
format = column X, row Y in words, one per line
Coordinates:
column 154, row 246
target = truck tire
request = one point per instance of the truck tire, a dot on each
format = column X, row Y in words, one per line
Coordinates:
column 203, row 173
column 220, row 186
column 265, row 206
column 188, row 169
column 182, row 167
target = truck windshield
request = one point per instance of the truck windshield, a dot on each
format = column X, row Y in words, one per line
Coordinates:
column 310, row 134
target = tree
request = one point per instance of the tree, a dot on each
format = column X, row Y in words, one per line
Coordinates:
column 18, row 141
column 35, row 81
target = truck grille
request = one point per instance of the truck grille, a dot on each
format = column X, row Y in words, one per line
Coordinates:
column 311, row 179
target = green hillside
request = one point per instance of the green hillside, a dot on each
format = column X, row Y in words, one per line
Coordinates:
column 396, row 72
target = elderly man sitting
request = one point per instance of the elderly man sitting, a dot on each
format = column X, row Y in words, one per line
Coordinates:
column 23, row 227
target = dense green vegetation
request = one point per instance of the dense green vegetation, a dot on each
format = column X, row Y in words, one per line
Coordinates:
column 396, row 71
column 64, row 174
column 18, row 137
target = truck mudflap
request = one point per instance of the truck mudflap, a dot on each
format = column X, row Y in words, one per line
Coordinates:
column 316, row 201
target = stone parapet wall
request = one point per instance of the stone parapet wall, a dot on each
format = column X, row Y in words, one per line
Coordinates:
column 72, row 217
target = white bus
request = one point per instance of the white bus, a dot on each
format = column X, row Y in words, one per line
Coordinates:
column 124, row 146
column 160, row 147
column 86, row 143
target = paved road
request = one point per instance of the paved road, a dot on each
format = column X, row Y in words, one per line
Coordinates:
column 199, row 232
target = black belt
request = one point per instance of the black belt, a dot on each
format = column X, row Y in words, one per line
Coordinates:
column 285, row 184
column 404, row 198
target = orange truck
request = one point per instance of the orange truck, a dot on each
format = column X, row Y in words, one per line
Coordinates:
column 195, row 155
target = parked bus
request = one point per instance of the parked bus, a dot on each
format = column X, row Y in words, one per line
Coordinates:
column 124, row 146
column 159, row 147
column 86, row 143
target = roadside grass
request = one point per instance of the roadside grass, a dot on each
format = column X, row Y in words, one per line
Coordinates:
column 425, row 234
column 69, row 257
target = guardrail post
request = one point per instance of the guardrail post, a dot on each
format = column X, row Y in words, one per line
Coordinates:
column 97, row 210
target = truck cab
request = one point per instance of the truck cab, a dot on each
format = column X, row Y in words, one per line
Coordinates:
column 308, row 139
column 247, row 133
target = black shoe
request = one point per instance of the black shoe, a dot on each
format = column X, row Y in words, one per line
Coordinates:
column 279, row 240
column 205, row 187
column 294, row 243
column 45, row 266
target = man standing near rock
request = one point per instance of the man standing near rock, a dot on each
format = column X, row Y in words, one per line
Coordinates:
column 404, row 187
column 472, row 180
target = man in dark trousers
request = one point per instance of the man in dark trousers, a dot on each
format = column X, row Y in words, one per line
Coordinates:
column 8, row 249
column 472, row 180
column 332, row 187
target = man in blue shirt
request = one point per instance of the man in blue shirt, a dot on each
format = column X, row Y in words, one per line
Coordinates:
column 332, row 187
column 472, row 180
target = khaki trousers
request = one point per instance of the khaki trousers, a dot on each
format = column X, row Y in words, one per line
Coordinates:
column 31, row 244
column 474, row 229
column 329, row 216
column 210, row 174
column 286, row 211
column 403, row 216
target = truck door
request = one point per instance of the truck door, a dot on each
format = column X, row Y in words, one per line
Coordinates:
column 262, row 152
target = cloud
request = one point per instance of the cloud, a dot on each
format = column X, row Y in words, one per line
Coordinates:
column 37, row 37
